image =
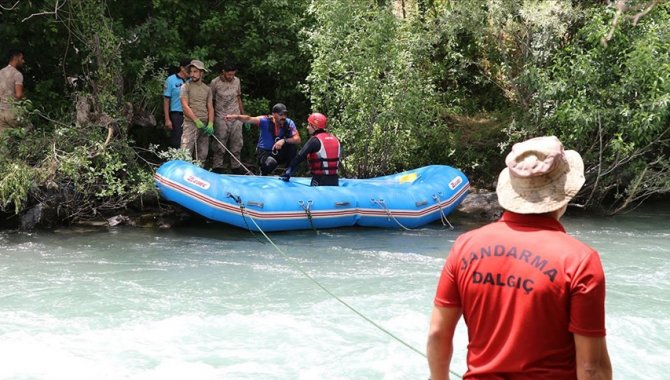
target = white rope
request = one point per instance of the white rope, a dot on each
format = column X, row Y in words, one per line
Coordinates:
column 299, row 269
column 249, row 172
column 381, row 204
column 443, row 217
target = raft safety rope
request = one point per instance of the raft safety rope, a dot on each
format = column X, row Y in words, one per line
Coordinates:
column 338, row 299
column 239, row 202
column 380, row 203
column 307, row 206
column 249, row 172
column 317, row 283
column 443, row 217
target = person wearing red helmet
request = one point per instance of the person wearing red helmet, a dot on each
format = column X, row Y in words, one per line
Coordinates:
column 322, row 152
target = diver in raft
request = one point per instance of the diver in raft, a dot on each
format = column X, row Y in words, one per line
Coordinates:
column 322, row 151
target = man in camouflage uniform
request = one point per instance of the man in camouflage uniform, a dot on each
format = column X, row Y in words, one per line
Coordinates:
column 227, row 94
column 11, row 88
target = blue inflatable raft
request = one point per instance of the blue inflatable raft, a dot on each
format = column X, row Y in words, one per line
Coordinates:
column 409, row 199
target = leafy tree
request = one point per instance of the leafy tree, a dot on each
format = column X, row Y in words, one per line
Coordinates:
column 612, row 104
column 367, row 77
column 404, row 84
column 71, row 164
column 93, row 66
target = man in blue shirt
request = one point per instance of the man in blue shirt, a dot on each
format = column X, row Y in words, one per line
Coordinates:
column 278, row 137
column 172, row 110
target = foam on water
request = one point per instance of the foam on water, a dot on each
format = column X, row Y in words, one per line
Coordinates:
column 215, row 303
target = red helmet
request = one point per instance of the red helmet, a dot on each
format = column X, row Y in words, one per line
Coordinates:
column 318, row 120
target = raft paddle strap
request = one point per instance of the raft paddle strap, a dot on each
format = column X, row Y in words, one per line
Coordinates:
column 308, row 210
column 380, row 203
column 443, row 218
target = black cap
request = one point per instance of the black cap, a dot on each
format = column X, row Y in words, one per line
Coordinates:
column 229, row 65
column 185, row 62
column 280, row 109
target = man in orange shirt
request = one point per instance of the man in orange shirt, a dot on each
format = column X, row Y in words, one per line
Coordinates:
column 533, row 297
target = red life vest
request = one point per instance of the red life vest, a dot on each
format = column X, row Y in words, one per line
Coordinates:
column 327, row 159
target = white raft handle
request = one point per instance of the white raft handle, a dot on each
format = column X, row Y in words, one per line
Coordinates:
column 253, row 203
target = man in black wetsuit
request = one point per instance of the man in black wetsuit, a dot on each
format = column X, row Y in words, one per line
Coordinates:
column 322, row 151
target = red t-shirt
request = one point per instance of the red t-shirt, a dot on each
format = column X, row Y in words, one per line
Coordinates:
column 525, row 286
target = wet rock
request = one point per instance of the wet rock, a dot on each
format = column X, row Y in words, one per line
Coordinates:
column 120, row 220
column 41, row 215
column 32, row 217
column 481, row 204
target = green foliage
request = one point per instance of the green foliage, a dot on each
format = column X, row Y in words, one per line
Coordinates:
column 366, row 76
column 143, row 93
column 261, row 35
column 17, row 181
column 172, row 154
column 611, row 103
column 449, row 83
column 67, row 165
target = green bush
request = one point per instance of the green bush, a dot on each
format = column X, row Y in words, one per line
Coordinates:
column 367, row 77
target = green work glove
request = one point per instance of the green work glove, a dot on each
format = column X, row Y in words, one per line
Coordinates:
column 209, row 130
column 247, row 126
column 199, row 124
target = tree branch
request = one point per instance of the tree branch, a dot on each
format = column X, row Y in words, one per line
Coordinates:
column 4, row 8
column 642, row 13
column 57, row 7
column 622, row 8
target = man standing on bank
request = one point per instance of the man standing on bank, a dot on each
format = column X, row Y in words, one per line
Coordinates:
column 322, row 151
column 532, row 296
column 196, row 100
column 227, row 94
column 11, row 88
column 278, row 137
column 172, row 110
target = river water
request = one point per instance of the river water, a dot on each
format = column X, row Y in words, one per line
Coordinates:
column 212, row 302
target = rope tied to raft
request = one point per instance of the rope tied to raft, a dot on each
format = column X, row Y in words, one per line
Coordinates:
column 239, row 202
column 249, row 172
column 338, row 299
column 443, row 217
column 380, row 203
column 307, row 207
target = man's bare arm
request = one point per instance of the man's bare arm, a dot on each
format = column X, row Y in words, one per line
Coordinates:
column 440, row 340
column 592, row 358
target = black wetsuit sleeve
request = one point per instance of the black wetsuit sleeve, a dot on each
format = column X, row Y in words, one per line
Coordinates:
column 312, row 145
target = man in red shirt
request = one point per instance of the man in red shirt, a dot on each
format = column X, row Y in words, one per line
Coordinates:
column 533, row 297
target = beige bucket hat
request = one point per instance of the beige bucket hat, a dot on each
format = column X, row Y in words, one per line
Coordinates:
column 198, row 65
column 540, row 176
